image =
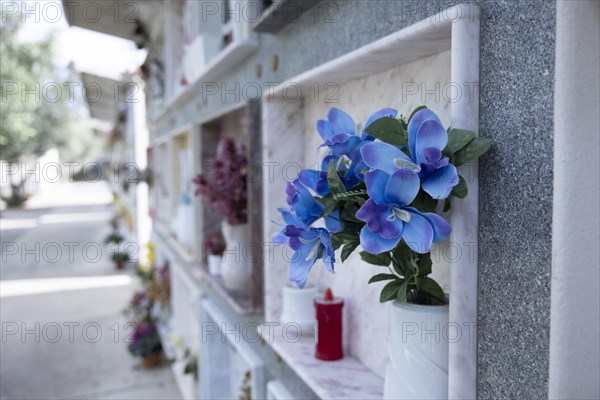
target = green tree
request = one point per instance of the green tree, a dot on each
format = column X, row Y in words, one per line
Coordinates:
column 36, row 112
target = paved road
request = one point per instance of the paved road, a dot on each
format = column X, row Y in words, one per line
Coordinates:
column 63, row 335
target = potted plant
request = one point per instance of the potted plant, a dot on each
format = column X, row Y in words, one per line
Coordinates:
column 381, row 187
column 191, row 363
column 215, row 247
column 224, row 189
column 145, row 343
column 120, row 257
column 159, row 286
column 113, row 238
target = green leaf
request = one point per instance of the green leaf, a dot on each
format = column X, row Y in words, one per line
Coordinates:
column 382, row 259
column 403, row 257
column 430, row 288
column 415, row 111
column 425, row 264
column 473, row 150
column 348, row 249
column 382, row 277
column 403, row 292
column 348, row 213
column 447, row 204
column 333, row 180
column 345, row 237
column 461, row 189
column 336, row 242
column 390, row 291
column 457, row 139
column 330, row 207
column 388, row 130
column 424, row 202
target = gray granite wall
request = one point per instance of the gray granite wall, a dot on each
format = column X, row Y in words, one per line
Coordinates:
column 516, row 110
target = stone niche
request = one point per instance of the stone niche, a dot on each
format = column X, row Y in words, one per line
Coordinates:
column 434, row 62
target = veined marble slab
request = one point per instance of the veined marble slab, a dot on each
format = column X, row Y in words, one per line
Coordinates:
column 343, row 379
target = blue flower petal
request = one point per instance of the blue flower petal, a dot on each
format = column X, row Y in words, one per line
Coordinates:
column 341, row 122
column 326, row 160
column 333, row 222
column 385, row 112
column 431, row 134
column 418, row 232
column 402, row 187
column 439, row 183
column 379, row 155
column 305, row 206
column 376, row 182
column 328, row 253
column 441, row 228
column 380, row 219
column 300, row 266
column 314, row 180
column 325, row 131
column 290, row 218
column 280, row 238
column 374, row 243
column 432, row 156
column 343, row 144
column 414, row 125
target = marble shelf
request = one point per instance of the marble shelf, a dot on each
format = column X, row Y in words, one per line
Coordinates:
column 343, row 379
column 224, row 61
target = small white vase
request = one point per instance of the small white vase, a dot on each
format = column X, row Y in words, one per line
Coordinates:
column 214, row 264
column 185, row 229
column 418, row 352
column 298, row 308
column 235, row 268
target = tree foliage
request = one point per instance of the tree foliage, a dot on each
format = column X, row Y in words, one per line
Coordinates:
column 34, row 115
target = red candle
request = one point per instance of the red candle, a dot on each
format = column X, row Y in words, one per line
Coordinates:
column 329, row 327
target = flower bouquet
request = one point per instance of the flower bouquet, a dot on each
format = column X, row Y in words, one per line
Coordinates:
column 119, row 258
column 380, row 188
column 224, row 189
column 214, row 248
column 145, row 343
column 159, row 286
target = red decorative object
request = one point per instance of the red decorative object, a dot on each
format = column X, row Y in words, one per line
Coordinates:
column 329, row 327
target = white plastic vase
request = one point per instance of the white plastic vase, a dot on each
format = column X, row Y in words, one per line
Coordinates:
column 298, row 307
column 235, row 268
column 418, row 352
column 214, row 264
column 185, row 228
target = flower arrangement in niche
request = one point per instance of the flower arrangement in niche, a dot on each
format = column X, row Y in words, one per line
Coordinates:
column 214, row 245
column 379, row 187
column 145, row 340
column 223, row 185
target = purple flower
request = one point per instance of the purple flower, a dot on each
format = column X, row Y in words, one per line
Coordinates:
column 339, row 131
column 309, row 245
column 223, row 184
column 388, row 219
column 426, row 140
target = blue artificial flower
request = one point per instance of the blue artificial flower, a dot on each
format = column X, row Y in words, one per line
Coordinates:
column 339, row 131
column 426, row 140
column 309, row 245
column 388, row 219
column 304, row 211
column 302, row 203
column 316, row 180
